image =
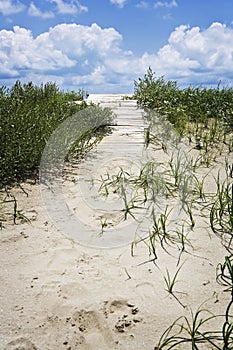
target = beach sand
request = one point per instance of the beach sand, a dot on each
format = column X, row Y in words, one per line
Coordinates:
column 59, row 293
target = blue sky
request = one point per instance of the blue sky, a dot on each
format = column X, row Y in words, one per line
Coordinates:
column 104, row 45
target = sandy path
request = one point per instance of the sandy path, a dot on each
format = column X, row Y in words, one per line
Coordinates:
column 58, row 294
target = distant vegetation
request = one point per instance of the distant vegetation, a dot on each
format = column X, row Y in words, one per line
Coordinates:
column 181, row 106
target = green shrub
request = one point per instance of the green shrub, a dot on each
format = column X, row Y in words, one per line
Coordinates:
column 192, row 104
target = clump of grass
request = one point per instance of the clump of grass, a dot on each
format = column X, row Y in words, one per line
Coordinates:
column 225, row 278
column 160, row 132
column 9, row 210
column 190, row 333
column 160, row 228
column 198, row 188
column 221, row 213
column 29, row 114
column 228, row 168
column 181, row 171
column 152, row 181
column 171, row 282
column 195, row 331
column 183, row 241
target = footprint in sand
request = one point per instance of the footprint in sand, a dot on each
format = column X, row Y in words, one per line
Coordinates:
column 81, row 330
column 122, row 314
column 91, row 329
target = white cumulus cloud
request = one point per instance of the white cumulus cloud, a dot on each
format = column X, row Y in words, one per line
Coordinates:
column 77, row 40
column 92, row 57
column 70, row 7
column 96, row 77
column 142, row 5
column 36, row 12
column 9, row 7
column 69, row 48
column 21, row 52
column 166, row 4
column 119, row 3
column 209, row 50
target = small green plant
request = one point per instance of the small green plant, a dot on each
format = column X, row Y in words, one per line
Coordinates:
column 182, row 241
column 171, row 282
column 9, row 208
column 188, row 210
column 147, row 137
column 221, row 213
column 198, row 187
column 228, row 168
column 190, row 332
column 159, row 233
column 181, row 169
column 225, row 278
column 195, row 331
column 151, row 242
column 103, row 224
column 160, row 229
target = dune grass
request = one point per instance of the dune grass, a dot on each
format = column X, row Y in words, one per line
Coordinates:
column 182, row 106
column 29, row 114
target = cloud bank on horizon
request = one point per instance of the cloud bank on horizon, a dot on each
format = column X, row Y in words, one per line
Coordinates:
column 92, row 57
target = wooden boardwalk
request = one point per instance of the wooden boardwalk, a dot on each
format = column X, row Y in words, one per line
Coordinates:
column 123, row 148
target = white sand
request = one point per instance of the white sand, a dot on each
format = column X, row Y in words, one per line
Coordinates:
column 59, row 294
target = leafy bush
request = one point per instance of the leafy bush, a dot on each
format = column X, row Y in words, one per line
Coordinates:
column 193, row 104
column 155, row 93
